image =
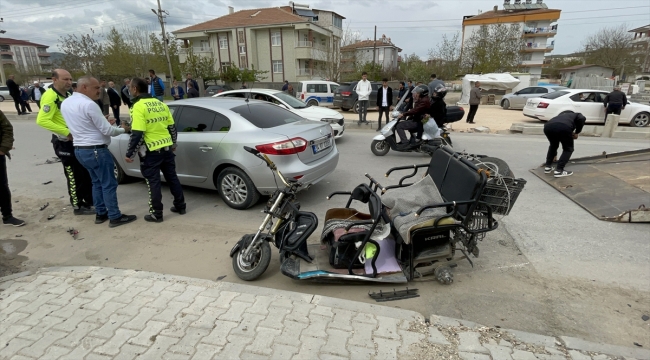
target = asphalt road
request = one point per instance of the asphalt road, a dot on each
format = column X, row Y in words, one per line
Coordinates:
column 550, row 268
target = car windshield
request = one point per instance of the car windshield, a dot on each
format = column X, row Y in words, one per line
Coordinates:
column 554, row 95
column 292, row 101
column 265, row 115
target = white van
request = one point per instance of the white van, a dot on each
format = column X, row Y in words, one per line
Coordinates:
column 316, row 92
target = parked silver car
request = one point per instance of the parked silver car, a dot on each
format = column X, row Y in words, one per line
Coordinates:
column 212, row 133
column 517, row 100
column 4, row 93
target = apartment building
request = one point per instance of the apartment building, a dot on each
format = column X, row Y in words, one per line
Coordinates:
column 641, row 44
column 385, row 54
column 25, row 55
column 538, row 26
column 292, row 42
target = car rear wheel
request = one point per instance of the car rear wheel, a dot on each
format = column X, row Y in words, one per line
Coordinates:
column 312, row 103
column 355, row 107
column 2, row 98
column 641, row 120
column 505, row 104
column 237, row 189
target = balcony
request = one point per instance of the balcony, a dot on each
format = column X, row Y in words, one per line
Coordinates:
column 6, row 51
column 305, row 44
column 43, row 54
column 8, row 61
column 307, row 50
column 536, row 47
column 304, row 72
column 548, row 31
column 199, row 51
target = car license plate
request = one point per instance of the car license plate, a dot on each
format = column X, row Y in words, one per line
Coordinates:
column 337, row 95
column 321, row 146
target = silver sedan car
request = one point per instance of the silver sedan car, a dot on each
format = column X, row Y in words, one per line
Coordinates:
column 517, row 100
column 212, row 133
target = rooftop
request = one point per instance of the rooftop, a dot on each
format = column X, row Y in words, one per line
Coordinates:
column 382, row 42
column 10, row 41
column 506, row 13
column 249, row 17
column 641, row 29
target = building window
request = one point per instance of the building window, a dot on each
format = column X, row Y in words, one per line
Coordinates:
column 276, row 38
column 527, row 57
column 277, row 66
column 338, row 22
column 242, row 49
column 223, row 42
column 225, row 66
column 381, row 55
column 240, row 36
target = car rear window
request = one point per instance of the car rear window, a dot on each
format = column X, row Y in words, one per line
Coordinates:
column 554, row 95
column 266, row 116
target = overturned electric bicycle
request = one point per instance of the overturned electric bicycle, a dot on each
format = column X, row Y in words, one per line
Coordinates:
column 406, row 231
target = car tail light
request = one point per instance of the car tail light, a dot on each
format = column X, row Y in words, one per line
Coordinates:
column 289, row 147
column 542, row 105
column 346, row 93
column 298, row 177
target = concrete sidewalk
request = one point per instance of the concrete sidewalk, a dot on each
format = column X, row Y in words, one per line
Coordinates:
column 103, row 313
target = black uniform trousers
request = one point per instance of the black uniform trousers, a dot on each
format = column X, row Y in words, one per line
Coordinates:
column 5, row 194
column 80, row 184
column 151, row 166
column 472, row 112
column 557, row 134
column 613, row 109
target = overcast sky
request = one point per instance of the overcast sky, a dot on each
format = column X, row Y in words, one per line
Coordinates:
column 413, row 25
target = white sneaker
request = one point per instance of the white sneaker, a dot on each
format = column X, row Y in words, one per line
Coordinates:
column 548, row 169
column 563, row 173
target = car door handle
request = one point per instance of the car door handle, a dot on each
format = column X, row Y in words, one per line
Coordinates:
column 205, row 148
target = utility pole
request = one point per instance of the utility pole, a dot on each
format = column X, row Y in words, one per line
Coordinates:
column 162, row 14
column 374, row 54
column 3, row 78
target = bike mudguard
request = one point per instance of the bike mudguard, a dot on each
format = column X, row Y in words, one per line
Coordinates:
column 244, row 241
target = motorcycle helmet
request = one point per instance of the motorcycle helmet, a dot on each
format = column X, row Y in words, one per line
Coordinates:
column 421, row 90
column 440, row 91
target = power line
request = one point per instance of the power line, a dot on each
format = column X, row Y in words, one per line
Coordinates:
column 60, row 6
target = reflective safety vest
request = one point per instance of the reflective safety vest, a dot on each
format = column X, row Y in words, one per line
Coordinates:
column 152, row 117
column 49, row 115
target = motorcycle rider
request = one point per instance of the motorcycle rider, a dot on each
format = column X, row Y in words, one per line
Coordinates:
column 420, row 109
column 437, row 111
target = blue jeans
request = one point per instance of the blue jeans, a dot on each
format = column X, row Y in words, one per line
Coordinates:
column 160, row 98
column 99, row 163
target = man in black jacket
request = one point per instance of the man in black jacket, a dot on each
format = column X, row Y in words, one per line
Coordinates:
column 384, row 101
column 125, row 94
column 563, row 129
column 615, row 102
column 6, row 144
column 14, row 91
column 115, row 101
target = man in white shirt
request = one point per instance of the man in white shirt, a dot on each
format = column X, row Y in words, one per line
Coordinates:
column 92, row 134
column 363, row 90
column 384, row 101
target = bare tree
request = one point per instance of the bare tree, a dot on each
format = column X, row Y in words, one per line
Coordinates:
column 492, row 48
column 445, row 57
column 83, row 54
column 611, row 47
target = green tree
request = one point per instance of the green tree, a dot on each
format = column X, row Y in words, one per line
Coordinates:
column 553, row 70
column 201, row 67
column 415, row 69
column 158, row 53
column 492, row 48
column 118, row 57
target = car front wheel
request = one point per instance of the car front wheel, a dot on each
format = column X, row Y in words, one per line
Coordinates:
column 505, row 104
column 641, row 120
column 237, row 189
column 312, row 103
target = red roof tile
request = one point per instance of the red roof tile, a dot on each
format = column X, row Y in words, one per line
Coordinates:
column 10, row 41
column 244, row 18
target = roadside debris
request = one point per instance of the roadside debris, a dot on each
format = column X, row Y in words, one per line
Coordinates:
column 48, row 182
column 645, row 317
column 221, row 277
column 394, row 295
column 74, row 233
column 44, row 207
column 51, row 217
column 637, row 344
column 53, row 160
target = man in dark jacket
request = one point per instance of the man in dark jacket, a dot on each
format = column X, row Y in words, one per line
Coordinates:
column 189, row 80
column 384, row 101
column 14, row 91
column 125, row 94
column 422, row 104
column 115, row 100
column 563, row 129
column 615, row 102
column 285, row 86
column 6, row 144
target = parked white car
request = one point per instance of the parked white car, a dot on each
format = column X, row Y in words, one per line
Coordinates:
column 587, row 102
column 317, row 113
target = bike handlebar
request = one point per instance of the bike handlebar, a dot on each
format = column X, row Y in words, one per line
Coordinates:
column 376, row 183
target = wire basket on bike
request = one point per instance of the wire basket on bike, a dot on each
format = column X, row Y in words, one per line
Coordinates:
column 500, row 193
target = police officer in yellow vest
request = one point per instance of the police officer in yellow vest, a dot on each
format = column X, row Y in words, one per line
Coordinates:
column 49, row 117
column 153, row 138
